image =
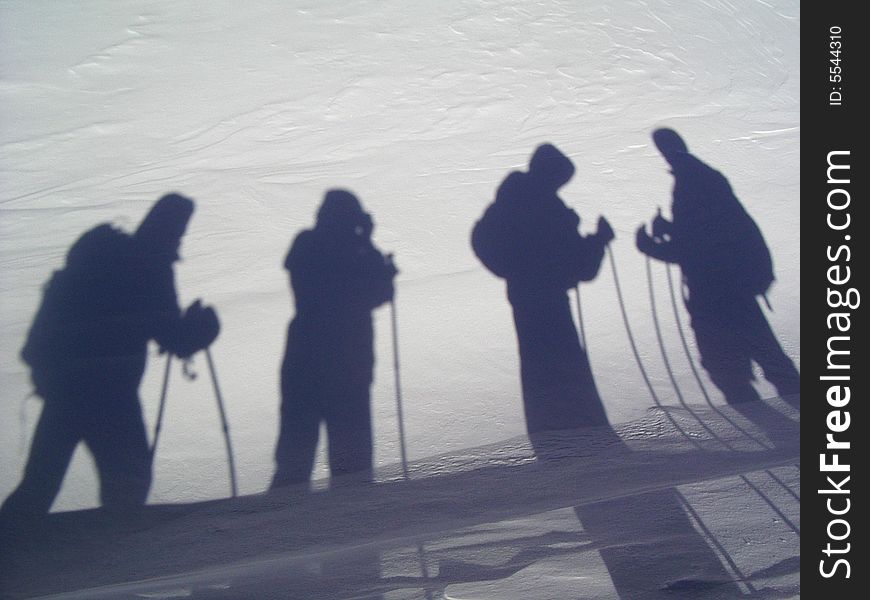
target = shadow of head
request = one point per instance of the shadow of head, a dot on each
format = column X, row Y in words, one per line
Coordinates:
column 342, row 213
column 670, row 144
column 549, row 168
column 163, row 227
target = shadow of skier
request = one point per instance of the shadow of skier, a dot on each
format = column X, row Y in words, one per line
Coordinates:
column 725, row 264
column 530, row 238
column 87, row 351
column 338, row 278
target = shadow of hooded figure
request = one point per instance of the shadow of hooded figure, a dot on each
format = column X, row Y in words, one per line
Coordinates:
column 530, row 238
column 725, row 264
column 338, row 278
column 87, row 352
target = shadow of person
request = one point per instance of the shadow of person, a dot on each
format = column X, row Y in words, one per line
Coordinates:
column 86, row 350
column 530, row 238
column 338, row 277
column 725, row 264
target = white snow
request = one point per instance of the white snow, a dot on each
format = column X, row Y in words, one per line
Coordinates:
column 713, row 517
column 420, row 109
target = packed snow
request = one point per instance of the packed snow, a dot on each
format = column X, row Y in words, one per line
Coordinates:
column 421, row 110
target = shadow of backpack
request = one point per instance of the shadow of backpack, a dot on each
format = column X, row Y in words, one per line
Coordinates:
column 70, row 299
column 751, row 256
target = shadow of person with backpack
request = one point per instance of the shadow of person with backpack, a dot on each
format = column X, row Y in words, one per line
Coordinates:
column 87, row 350
column 530, row 238
column 725, row 264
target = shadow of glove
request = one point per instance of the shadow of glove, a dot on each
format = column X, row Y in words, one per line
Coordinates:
column 605, row 231
column 661, row 227
column 642, row 240
column 201, row 325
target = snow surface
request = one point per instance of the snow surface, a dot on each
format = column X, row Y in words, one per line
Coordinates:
column 649, row 514
column 421, row 110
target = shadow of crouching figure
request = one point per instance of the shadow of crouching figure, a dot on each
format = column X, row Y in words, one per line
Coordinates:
column 87, row 351
column 530, row 238
column 725, row 264
column 338, row 277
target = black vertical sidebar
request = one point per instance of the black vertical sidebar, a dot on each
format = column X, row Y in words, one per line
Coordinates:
column 834, row 367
